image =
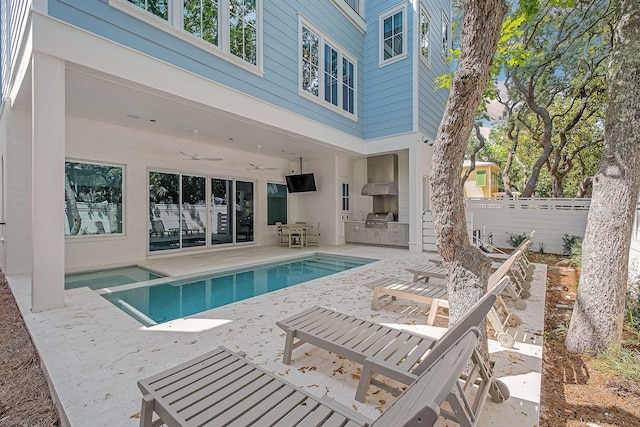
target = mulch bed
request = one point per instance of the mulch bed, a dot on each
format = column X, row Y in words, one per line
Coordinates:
column 25, row 399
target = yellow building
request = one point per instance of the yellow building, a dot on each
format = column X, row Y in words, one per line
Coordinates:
column 484, row 180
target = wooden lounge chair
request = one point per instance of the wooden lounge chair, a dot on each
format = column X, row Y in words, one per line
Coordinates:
column 393, row 353
column 516, row 290
column 223, row 388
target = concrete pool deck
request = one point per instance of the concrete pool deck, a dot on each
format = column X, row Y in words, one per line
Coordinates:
column 93, row 353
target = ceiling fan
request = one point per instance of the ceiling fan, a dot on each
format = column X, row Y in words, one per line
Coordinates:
column 195, row 156
column 259, row 166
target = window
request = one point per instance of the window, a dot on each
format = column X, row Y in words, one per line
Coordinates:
column 232, row 26
column 310, row 62
column 446, row 38
column 93, row 199
column 330, row 75
column 481, row 178
column 345, row 196
column 201, row 18
column 276, row 203
column 393, row 45
column 327, row 72
column 425, row 41
column 243, row 30
column 159, row 8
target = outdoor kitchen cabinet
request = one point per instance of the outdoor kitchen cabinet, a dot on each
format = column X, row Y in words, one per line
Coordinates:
column 397, row 234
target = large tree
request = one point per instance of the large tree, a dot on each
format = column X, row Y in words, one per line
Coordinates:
column 468, row 268
column 598, row 312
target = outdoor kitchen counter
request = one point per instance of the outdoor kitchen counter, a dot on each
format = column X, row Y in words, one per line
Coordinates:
column 396, row 234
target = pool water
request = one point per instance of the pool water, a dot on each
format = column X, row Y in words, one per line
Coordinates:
column 160, row 303
column 99, row 279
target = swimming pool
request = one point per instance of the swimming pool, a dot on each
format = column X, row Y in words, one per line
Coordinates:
column 159, row 303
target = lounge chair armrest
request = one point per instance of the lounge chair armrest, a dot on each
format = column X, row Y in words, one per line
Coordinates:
column 356, row 416
column 389, row 370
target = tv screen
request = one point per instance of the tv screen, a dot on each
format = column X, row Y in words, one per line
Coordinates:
column 301, row 183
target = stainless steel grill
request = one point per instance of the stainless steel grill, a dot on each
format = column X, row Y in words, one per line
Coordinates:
column 378, row 219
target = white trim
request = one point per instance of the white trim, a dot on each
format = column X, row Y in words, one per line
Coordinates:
column 323, row 40
column 352, row 15
column 402, row 7
column 175, row 29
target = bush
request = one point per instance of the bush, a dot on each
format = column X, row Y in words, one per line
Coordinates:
column 575, row 253
column 568, row 241
column 515, row 239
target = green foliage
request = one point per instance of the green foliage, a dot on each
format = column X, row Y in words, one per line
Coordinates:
column 515, row 239
column 632, row 305
column 568, row 241
column 620, row 361
column 541, row 248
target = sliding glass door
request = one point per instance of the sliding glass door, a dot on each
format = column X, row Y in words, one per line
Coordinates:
column 193, row 223
column 164, row 211
column 221, row 211
column 244, row 211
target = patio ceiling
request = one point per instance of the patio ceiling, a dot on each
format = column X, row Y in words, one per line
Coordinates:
column 94, row 95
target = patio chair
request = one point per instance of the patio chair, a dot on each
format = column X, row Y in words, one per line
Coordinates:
column 393, row 353
column 224, row 388
column 312, row 238
column 283, row 234
column 296, row 236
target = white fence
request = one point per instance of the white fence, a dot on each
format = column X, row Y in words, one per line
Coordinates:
column 551, row 219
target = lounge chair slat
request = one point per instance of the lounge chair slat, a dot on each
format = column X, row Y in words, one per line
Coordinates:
column 299, row 413
column 400, row 354
column 316, row 418
column 216, row 402
column 418, row 352
column 242, row 401
column 292, row 402
column 170, row 376
column 359, row 334
column 377, row 341
column 259, row 404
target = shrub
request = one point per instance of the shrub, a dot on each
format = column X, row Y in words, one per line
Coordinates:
column 575, row 252
column 568, row 241
column 515, row 239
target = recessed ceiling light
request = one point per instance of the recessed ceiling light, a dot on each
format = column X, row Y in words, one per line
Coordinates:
column 133, row 116
column 230, row 139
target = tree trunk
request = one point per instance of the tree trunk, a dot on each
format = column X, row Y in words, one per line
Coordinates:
column 599, row 309
column 468, row 267
column 73, row 206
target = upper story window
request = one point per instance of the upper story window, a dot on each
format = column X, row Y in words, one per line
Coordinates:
column 425, row 38
column 393, row 37
column 327, row 72
column 159, row 8
column 232, row 26
column 446, row 35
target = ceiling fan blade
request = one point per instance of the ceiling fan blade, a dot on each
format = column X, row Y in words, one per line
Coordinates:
column 213, row 159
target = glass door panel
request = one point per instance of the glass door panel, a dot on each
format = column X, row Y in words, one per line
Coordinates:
column 221, row 211
column 164, row 211
column 193, row 226
column 244, row 211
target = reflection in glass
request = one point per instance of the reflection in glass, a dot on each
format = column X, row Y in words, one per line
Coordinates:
column 164, row 211
column 244, row 211
column 221, row 211
column 93, row 199
column 193, row 226
column 276, row 203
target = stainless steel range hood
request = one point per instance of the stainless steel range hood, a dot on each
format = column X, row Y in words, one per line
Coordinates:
column 379, row 189
column 382, row 176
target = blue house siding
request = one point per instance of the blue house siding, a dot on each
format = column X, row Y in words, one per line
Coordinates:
column 431, row 101
column 278, row 86
column 388, row 92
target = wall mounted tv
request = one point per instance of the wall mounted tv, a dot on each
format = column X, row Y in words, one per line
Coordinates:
column 301, row 183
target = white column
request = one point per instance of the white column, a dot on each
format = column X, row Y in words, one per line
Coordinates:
column 47, row 209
